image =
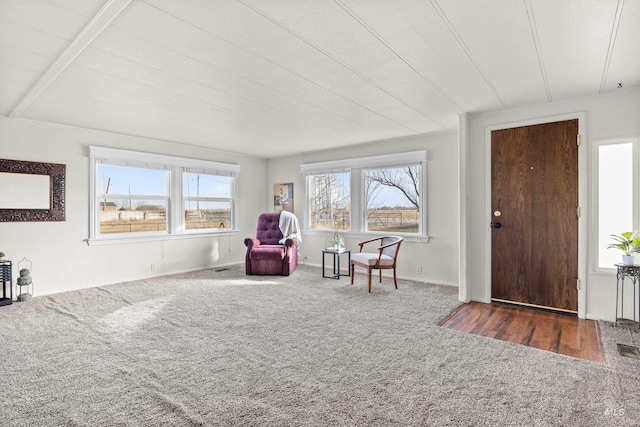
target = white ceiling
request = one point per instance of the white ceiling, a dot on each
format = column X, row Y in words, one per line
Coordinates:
column 277, row 77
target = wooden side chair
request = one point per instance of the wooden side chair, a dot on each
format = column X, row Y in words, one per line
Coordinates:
column 384, row 257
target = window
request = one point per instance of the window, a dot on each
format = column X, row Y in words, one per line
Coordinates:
column 207, row 201
column 393, row 199
column 145, row 196
column 132, row 200
column 380, row 194
column 329, row 201
column 617, row 195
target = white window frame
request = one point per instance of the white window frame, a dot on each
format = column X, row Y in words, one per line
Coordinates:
column 595, row 158
column 175, row 205
column 231, row 199
column 357, row 166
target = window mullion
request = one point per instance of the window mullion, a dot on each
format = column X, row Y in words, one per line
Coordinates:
column 423, row 198
column 233, row 203
column 176, row 219
column 358, row 214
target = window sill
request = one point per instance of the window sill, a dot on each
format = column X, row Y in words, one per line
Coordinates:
column 365, row 236
column 156, row 238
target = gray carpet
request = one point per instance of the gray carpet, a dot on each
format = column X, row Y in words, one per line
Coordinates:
column 220, row 348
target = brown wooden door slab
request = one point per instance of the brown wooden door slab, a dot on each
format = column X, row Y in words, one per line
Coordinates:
column 534, row 189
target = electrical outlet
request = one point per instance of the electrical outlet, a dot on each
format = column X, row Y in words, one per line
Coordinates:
column 419, row 269
column 153, row 267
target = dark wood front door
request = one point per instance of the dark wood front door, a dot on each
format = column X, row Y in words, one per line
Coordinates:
column 534, row 202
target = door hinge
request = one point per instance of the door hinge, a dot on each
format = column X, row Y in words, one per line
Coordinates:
column 578, row 284
column 578, row 140
column 578, row 211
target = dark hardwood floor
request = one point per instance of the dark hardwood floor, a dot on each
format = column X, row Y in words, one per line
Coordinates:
column 559, row 333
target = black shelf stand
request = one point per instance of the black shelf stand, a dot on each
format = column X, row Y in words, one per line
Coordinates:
column 6, row 278
column 631, row 272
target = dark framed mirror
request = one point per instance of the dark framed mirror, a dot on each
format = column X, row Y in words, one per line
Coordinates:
column 31, row 191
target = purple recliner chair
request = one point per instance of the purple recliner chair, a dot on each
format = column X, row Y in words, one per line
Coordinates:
column 265, row 255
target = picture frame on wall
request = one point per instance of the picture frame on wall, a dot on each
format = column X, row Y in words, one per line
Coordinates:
column 32, row 191
column 283, row 197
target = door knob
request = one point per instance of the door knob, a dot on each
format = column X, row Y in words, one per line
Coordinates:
column 495, row 225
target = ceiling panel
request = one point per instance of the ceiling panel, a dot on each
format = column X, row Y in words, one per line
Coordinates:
column 20, row 37
column 415, row 32
column 352, row 54
column 504, row 53
column 32, row 34
column 136, row 115
column 173, row 107
column 43, row 17
column 23, row 59
column 111, row 113
column 17, row 74
column 86, row 8
column 11, row 90
column 624, row 66
column 198, row 80
column 126, row 119
column 261, row 82
column 285, row 76
column 574, row 40
column 107, row 92
column 278, row 49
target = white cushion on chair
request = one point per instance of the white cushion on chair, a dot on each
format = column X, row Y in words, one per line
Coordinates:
column 371, row 259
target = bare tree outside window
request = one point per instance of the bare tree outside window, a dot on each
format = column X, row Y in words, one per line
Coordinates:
column 330, row 201
column 393, row 199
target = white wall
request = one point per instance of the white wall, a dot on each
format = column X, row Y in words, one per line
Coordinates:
column 438, row 257
column 609, row 115
column 61, row 258
column 63, row 261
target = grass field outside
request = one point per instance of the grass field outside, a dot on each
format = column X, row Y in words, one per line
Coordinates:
column 135, row 221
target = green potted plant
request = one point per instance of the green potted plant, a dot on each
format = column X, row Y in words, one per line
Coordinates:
column 337, row 241
column 628, row 243
column 1, row 256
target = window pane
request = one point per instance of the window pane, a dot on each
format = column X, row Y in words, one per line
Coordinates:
column 201, row 185
column 204, row 214
column 330, row 201
column 132, row 216
column 615, row 193
column 134, row 181
column 392, row 199
column 200, row 211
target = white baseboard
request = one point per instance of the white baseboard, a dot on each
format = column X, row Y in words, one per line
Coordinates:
column 388, row 274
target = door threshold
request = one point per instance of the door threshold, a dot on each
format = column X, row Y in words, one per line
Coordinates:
column 541, row 307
